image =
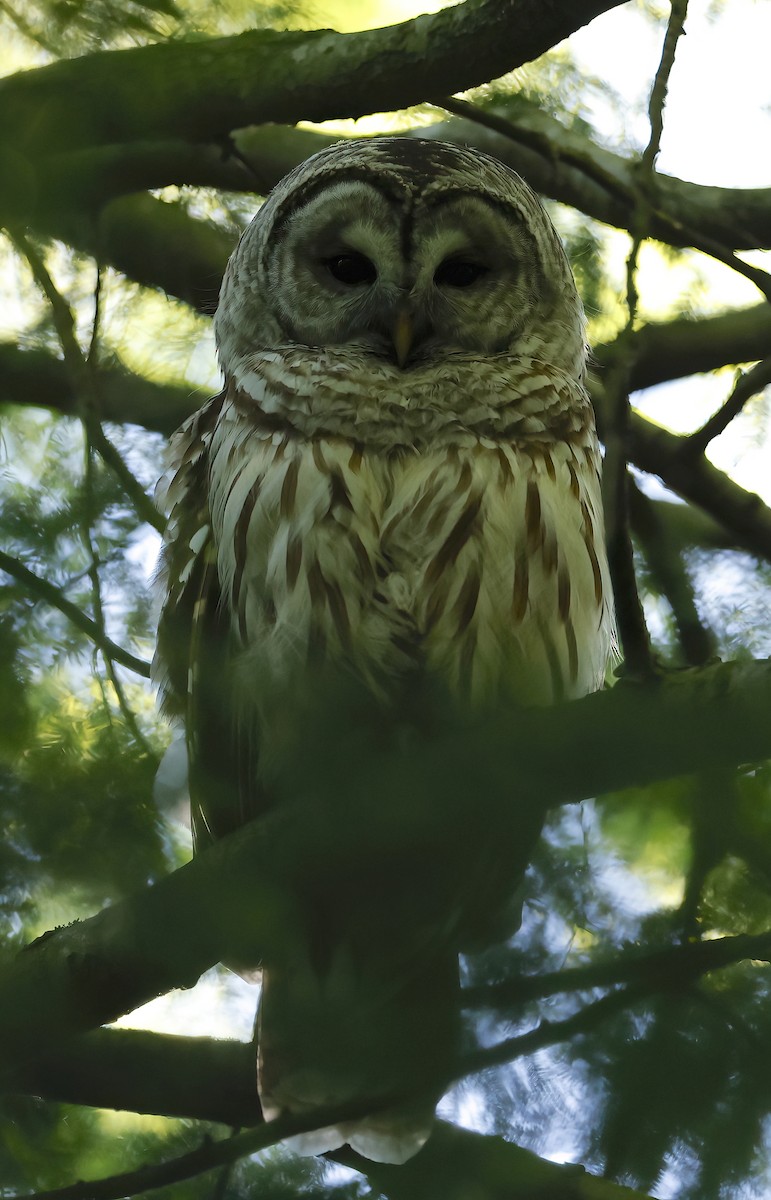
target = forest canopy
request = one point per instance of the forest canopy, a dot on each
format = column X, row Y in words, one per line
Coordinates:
column 626, row 1025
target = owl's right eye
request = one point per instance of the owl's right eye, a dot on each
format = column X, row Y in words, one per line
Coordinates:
column 351, row 269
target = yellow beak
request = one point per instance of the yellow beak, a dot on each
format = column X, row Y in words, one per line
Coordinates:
column 402, row 336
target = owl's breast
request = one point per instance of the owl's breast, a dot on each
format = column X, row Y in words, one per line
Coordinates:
column 456, row 400
column 480, row 563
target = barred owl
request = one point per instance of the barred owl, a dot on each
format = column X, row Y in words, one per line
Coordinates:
column 399, row 482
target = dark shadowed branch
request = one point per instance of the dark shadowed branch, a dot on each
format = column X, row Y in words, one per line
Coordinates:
column 453, row 1164
column 91, row 972
column 214, row 1080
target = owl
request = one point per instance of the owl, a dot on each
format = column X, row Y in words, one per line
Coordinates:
column 397, row 490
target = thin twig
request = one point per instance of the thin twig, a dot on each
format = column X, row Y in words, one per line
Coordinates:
column 714, row 799
column 632, row 628
column 93, row 349
column 83, row 382
column 748, row 384
column 549, row 1033
column 98, row 608
column 53, row 596
column 659, row 452
column 724, row 254
column 670, row 967
column 133, row 488
column 669, row 574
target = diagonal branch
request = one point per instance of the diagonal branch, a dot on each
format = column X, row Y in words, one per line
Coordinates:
column 213, row 1080
column 662, row 351
column 207, row 1157
column 84, row 383
column 454, row 1164
column 661, row 453
column 632, row 628
column 91, row 972
column 673, row 966
column 746, row 386
column 34, row 377
column 51, row 595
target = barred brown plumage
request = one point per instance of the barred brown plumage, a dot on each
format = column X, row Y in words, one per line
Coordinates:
column 400, row 480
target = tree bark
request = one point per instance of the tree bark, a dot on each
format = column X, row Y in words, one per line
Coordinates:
column 203, row 91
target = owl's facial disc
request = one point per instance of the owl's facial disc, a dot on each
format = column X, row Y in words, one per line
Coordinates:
column 405, row 278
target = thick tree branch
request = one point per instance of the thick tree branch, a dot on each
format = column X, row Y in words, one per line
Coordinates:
column 662, row 351
column 38, row 379
column 220, row 1071
column 665, row 350
column 89, row 973
column 202, row 91
column 200, row 1078
column 213, row 1080
column 665, row 454
column 561, row 163
column 455, row 1164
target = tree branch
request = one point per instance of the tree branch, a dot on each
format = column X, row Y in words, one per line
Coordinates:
column 204, row 1079
column 747, row 385
column 630, row 618
column 159, row 244
column 661, row 453
column 665, row 350
column 669, row 575
column 213, row 1080
column 84, row 384
column 453, row 1164
column 51, row 595
column 385, row 804
column 202, row 91
column 672, row 967
column 662, row 351
column 36, row 378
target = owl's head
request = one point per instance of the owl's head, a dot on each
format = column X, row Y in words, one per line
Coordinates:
column 407, row 250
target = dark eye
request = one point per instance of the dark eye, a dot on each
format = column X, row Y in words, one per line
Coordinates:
column 458, row 273
column 351, row 269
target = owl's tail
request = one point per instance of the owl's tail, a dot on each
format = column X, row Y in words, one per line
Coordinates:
column 360, row 1026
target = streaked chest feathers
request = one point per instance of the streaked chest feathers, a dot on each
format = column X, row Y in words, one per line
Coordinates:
column 406, row 537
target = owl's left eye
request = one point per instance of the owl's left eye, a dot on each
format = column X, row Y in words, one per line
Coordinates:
column 351, row 269
column 458, row 273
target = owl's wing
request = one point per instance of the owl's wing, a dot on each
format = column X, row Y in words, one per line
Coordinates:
column 195, row 654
